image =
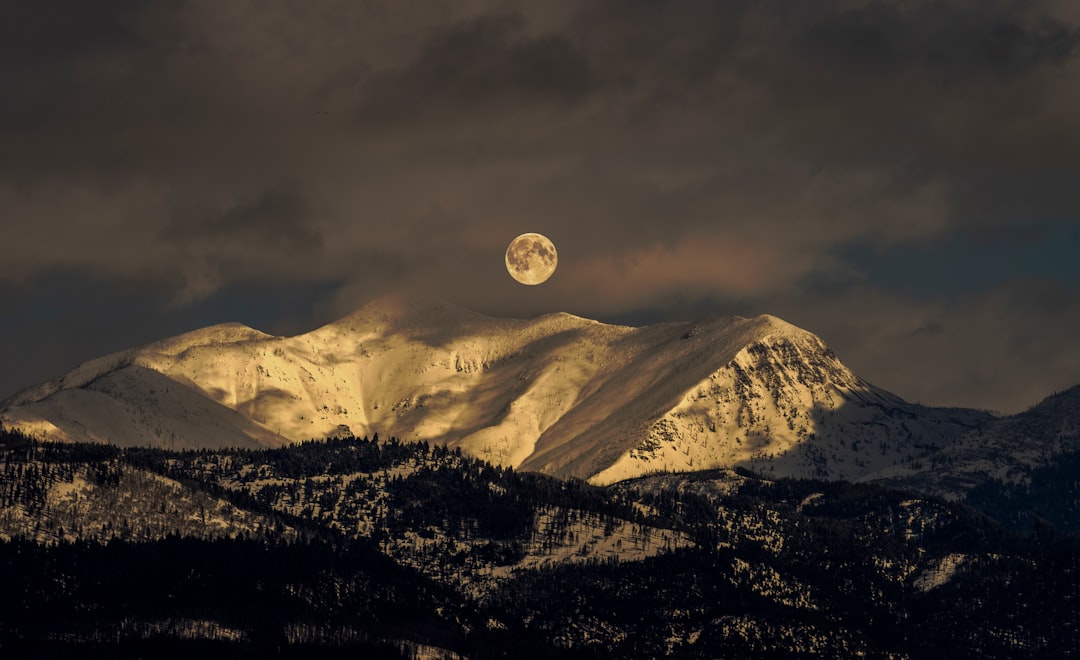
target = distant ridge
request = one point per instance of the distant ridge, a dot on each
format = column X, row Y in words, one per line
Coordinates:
column 1008, row 451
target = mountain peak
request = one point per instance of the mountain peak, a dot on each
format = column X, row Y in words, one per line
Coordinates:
column 403, row 312
column 557, row 393
column 779, row 325
column 222, row 333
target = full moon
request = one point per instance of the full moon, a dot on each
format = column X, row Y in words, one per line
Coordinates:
column 531, row 259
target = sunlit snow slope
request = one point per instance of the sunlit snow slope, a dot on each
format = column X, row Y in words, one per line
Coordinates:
column 557, row 394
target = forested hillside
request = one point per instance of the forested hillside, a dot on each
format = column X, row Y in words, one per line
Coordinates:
column 407, row 550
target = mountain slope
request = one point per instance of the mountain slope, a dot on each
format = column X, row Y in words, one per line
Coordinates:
column 556, row 394
column 1005, row 452
column 325, row 549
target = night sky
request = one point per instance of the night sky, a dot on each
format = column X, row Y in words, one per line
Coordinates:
column 900, row 178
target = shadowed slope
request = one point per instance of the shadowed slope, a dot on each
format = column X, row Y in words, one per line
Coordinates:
column 1008, row 450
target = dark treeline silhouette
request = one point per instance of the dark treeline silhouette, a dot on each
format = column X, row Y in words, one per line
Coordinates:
column 1050, row 500
column 177, row 596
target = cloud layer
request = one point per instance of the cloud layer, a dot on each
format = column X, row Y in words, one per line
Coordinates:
column 685, row 157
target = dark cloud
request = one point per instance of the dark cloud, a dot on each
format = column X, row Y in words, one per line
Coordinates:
column 947, row 42
column 53, row 30
column 42, row 43
column 279, row 220
column 485, row 67
column 859, row 162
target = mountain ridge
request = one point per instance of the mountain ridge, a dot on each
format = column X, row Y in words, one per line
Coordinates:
column 557, row 393
column 1006, row 450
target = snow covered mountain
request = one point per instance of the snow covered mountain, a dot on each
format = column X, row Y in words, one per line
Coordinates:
column 557, row 394
column 1008, row 451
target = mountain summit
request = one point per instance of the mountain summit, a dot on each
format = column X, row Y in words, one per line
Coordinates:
column 558, row 394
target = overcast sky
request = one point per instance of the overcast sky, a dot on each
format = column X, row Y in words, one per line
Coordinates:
column 900, row 178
